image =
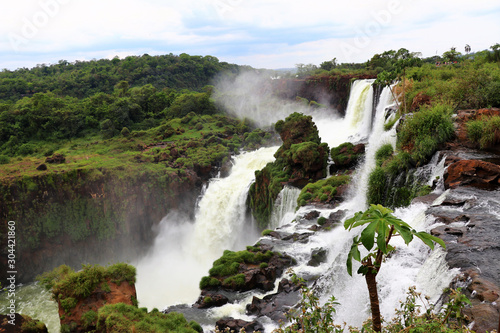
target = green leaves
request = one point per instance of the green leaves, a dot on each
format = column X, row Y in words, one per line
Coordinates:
column 381, row 225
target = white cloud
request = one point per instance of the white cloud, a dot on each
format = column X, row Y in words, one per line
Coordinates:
column 261, row 33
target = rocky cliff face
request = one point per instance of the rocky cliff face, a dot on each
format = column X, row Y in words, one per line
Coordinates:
column 469, row 221
column 332, row 90
column 88, row 216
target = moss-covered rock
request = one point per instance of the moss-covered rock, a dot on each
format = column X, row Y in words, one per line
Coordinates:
column 300, row 159
column 347, row 155
column 254, row 268
column 325, row 191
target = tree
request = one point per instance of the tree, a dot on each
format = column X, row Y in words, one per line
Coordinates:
column 467, row 48
column 328, row 65
column 452, row 55
column 381, row 226
column 398, row 63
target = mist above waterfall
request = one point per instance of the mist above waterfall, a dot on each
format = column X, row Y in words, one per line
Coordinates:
column 253, row 96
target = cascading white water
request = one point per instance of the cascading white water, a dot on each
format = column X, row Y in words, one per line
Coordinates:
column 358, row 113
column 284, row 207
column 184, row 250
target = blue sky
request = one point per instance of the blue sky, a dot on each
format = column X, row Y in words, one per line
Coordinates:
column 259, row 33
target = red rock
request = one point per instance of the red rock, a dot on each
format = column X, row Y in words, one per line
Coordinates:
column 474, row 173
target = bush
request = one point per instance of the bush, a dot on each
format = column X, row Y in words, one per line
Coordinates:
column 485, row 131
column 125, row 132
column 4, row 159
column 127, row 318
column 383, row 153
column 422, row 133
column 322, row 220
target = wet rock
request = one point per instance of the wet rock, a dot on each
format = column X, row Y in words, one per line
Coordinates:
column 338, row 215
column 318, row 256
column 275, row 306
column 485, row 317
column 312, row 215
column 471, row 233
column 236, row 325
column 476, row 173
column 210, row 300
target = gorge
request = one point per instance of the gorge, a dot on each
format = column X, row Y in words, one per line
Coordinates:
column 188, row 239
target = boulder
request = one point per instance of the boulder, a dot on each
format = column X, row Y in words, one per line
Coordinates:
column 210, row 300
column 318, row 256
column 346, row 156
column 236, row 325
column 42, row 167
column 275, row 306
column 476, row 173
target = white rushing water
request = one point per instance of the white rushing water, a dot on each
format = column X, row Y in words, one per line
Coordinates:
column 184, row 250
column 284, row 207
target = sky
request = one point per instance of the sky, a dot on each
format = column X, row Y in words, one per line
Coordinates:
column 260, row 33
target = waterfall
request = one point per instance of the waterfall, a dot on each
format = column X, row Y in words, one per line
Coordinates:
column 358, row 114
column 284, row 207
column 184, row 250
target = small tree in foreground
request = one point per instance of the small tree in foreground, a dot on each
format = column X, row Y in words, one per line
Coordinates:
column 381, row 226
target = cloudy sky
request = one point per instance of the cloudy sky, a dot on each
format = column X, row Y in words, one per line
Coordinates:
column 260, row 33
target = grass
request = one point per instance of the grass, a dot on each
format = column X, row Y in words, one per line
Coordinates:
column 485, row 131
column 117, row 318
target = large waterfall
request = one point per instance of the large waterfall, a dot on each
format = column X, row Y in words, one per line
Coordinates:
column 184, row 249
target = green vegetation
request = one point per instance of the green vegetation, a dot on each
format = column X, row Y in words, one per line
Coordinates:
column 381, row 226
column 115, row 318
column 226, row 268
column 345, row 155
column 86, row 78
column 322, row 191
column 484, row 131
column 69, row 286
column 392, row 183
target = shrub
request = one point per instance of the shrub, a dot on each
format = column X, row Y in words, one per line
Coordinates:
column 127, row 318
column 377, row 183
column 422, row 133
column 485, row 131
column 383, row 153
column 4, row 159
column 125, row 132
column 322, row 220
column 89, row 318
